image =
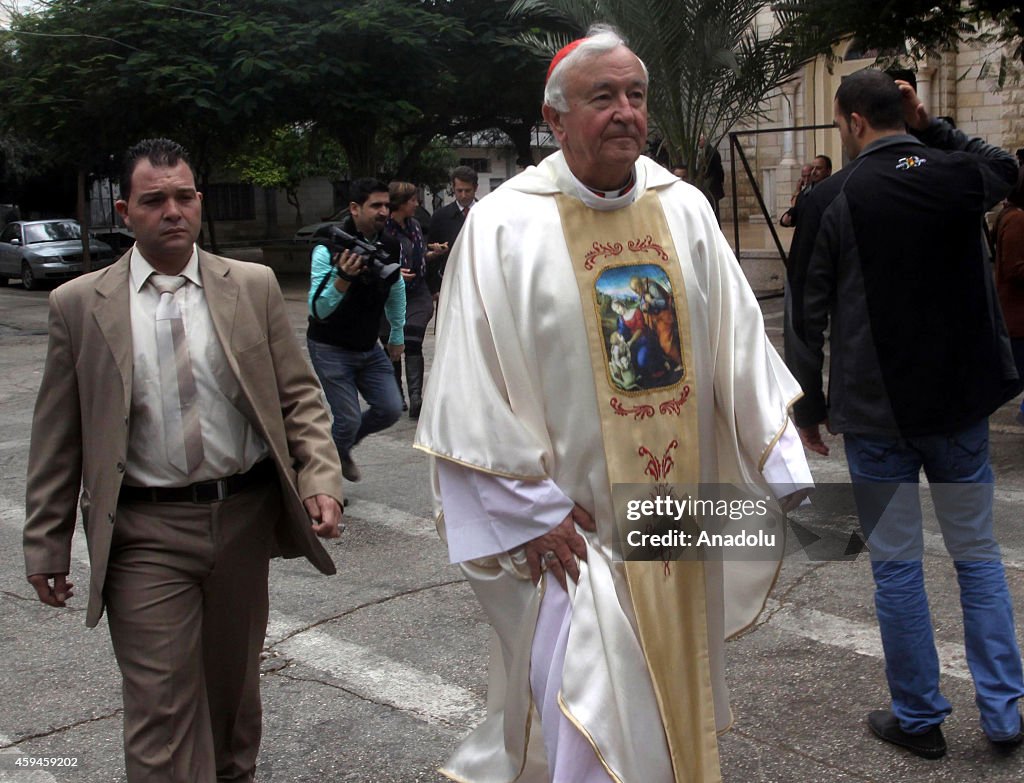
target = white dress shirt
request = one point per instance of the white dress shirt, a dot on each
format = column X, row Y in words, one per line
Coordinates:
column 230, row 443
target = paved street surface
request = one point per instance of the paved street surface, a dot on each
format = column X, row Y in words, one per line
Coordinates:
column 372, row 676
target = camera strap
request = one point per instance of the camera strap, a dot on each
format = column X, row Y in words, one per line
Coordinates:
column 316, row 296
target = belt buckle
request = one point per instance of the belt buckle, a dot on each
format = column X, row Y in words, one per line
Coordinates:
column 210, row 491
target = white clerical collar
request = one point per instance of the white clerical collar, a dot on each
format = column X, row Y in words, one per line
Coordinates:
column 140, row 269
column 606, row 200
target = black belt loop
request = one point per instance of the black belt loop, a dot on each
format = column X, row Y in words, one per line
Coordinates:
column 201, row 491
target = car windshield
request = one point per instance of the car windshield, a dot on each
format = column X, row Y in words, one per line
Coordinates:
column 52, row 231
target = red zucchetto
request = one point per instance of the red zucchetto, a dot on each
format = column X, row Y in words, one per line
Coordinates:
column 564, row 52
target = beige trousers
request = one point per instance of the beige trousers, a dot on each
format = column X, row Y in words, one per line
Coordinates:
column 186, row 600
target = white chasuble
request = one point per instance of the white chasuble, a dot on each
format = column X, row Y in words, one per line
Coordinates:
column 598, row 347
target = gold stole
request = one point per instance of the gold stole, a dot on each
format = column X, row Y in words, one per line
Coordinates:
column 638, row 327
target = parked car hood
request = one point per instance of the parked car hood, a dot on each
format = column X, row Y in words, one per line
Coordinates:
column 66, row 247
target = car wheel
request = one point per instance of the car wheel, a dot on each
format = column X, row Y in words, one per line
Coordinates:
column 28, row 280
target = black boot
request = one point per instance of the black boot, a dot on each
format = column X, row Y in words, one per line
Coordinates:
column 414, row 377
column 398, row 379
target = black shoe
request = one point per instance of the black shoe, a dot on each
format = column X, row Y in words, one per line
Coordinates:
column 1005, row 747
column 349, row 469
column 928, row 745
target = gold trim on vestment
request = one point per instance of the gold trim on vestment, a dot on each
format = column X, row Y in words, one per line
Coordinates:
column 775, row 439
column 475, row 466
column 659, row 446
column 586, row 735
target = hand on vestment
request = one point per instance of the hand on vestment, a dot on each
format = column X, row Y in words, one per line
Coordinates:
column 811, row 438
column 565, row 543
column 52, row 595
column 325, row 512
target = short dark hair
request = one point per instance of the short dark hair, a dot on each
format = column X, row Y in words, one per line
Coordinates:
column 465, row 173
column 826, row 158
column 159, row 152
column 874, row 96
column 363, row 188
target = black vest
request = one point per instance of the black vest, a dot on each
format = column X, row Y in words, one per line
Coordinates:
column 355, row 322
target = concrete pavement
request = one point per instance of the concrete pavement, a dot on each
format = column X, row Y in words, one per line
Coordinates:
column 374, row 675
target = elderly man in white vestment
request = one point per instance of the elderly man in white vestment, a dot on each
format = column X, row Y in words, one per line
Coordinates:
column 601, row 670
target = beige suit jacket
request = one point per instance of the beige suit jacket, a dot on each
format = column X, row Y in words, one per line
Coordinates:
column 80, row 426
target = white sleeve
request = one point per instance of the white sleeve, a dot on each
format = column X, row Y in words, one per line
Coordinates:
column 786, row 469
column 486, row 515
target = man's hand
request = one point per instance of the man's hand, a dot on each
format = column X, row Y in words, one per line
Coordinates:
column 556, row 551
column 348, row 263
column 914, row 112
column 811, row 438
column 326, row 515
column 395, row 352
column 52, row 595
column 408, row 275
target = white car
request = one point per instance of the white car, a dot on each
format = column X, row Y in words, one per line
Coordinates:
column 38, row 251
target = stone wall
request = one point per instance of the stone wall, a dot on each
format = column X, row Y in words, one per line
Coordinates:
column 979, row 106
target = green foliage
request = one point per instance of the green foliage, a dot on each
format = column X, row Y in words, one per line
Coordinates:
column 912, row 28
column 288, row 156
column 382, row 78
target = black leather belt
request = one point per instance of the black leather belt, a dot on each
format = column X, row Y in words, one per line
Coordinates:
column 201, row 491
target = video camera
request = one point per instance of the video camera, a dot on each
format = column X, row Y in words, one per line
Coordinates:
column 378, row 268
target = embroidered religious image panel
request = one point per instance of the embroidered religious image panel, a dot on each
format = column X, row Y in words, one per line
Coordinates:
column 637, row 311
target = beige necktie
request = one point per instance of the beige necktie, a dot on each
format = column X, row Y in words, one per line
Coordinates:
column 182, row 435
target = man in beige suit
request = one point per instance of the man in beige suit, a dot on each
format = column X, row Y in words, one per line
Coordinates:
column 176, row 405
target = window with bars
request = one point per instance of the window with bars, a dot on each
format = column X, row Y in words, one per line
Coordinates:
column 230, row 201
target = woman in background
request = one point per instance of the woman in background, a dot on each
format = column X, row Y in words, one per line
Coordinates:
column 419, row 308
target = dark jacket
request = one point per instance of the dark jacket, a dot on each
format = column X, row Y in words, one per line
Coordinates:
column 889, row 256
column 445, row 225
column 354, row 323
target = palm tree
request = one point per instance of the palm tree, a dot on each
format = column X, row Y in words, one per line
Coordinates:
column 710, row 63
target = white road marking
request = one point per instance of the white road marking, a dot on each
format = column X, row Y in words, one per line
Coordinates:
column 384, row 680
column 391, row 518
column 857, row 637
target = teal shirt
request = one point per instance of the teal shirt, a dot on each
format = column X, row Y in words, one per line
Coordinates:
column 330, row 297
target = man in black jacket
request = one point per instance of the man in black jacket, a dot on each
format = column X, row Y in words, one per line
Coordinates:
column 346, row 300
column 446, row 223
column 890, row 253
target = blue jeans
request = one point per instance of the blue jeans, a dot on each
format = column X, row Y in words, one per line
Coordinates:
column 344, row 375
column 885, row 474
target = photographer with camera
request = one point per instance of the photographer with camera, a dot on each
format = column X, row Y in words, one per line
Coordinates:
column 355, row 278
